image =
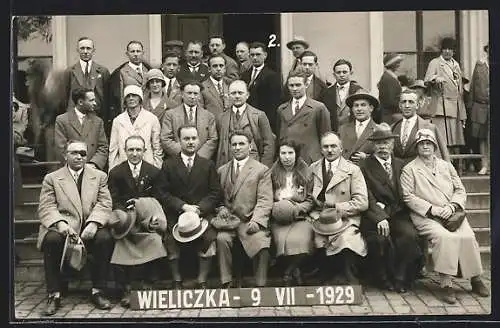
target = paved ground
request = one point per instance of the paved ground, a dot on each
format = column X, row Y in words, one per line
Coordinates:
column 30, row 298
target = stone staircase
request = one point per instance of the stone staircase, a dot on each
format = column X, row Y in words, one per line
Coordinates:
column 29, row 260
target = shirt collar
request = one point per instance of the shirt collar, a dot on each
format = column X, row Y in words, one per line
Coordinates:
column 83, row 64
column 79, row 114
column 382, row 161
column 186, row 157
column 139, row 165
column 239, row 109
column 335, row 163
column 72, row 172
column 241, row 162
column 187, row 108
column 344, row 86
column 259, row 68
column 135, row 67
column 301, row 100
column 365, row 122
column 194, row 66
column 411, row 120
column 214, row 81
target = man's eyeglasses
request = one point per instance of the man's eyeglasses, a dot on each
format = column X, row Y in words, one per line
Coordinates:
column 82, row 153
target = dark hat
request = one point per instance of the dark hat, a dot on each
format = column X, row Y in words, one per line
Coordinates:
column 448, row 43
column 283, row 211
column 486, row 48
column 418, row 84
column 122, row 223
column 329, row 223
column 174, row 43
column 392, row 58
column 74, row 253
column 362, row 94
column 382, row 131
column 299, row 40
column 189, row 227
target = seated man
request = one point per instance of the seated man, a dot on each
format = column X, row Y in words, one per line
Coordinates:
column 248, row 195
column 393, row 250
column 132, row 185
column 339, row 192
column 75, row 200
column 188, row 183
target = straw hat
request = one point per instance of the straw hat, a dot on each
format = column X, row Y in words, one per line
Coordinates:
column 189, row 227
column 297, row 40
column 329, row 223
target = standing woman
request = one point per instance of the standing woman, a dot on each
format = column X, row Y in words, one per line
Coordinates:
column 447, row 104
column 292, row 234
column 155, row 98
column 480, row 108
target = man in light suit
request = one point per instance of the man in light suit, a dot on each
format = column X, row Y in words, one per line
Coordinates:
column 189, row 112
column 171, row 67
column 315, row 87
column 334, row 96
column 248, row 194
column 405, row 147
column 82, row 123
column 302, row 119
column 355, row 134
column 242, row 116
column 89, row 74
column 215, row 88
column 193, row 69
column 264, row 84
column 217, row 45
column 75, row 200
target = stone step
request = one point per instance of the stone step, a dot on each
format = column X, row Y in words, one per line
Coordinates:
column 476, row 183
column 31, row 192
column 478, row 200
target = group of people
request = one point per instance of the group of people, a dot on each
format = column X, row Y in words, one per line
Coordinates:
column 204, row 161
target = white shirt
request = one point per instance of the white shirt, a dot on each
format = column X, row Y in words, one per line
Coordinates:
column 241, row 162
column 80, row 115
column 187, row 109
column 168, row 81
column 193, row 68
column 301, row 101
column 139, row 165
column 185, row 159
column 411, row 123
column 77, row 173
column 334, row 164
column 309, row 79
column 136, row 67
column 216, row 83
column 258, row 69
column 239, row 110
column 84, row 64
column 361, row 126
column 382, row 161
column 343, row 90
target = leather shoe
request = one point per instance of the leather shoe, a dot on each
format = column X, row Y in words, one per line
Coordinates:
column 400, row 287
column 387, row 285
column 53, row 304
column 100, row 301
column 125, row 301
column 479, row 288
column 448, row 295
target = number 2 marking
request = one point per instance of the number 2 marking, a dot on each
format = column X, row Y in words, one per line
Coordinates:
column 272, row 39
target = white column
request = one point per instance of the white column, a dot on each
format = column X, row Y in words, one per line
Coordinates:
column 376, row 49
column 59, row 42
column 286, row 26
column 474, row 31
column 155, row 40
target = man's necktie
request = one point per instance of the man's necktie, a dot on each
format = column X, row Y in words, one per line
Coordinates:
column 236, row 171
column 139, row 71
column 219, row 87
column 329, row 172
column 388, row 169
column 238, row 115
column 404, row 136
column 191, row 115
column 169, row 88
column 135, row 172
column 254, row 75
column 86, row 74
column 359, row 128
column 189, row 164
column 75, row 177
column 297, row 107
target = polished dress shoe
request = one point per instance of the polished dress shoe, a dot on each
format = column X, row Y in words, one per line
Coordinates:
column 400, row 287
column 479, row 288
column 387, row 285
column 448, row 295
column 100, row 301
column 125, row 301
column 53, row 304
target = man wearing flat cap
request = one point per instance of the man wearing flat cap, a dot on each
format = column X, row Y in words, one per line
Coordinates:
column 389, row 88
column 175, row 46
column 75, row 200
column 393, row 250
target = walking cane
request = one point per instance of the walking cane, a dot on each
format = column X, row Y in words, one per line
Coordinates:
column 444, row 112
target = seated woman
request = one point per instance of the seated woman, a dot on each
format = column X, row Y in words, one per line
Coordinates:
column 292, row 234
column 155, row 98
column 435, row 195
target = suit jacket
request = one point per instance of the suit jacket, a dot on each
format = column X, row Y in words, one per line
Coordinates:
column 185, row 74
column 261, row 132
column 175, row 98
column 410, row 151
column 389, row 91
column 178, row 186
column 205, row 124
column 339, row 115
column 351, row 143
column 158, row 110
column 147, row 126
column 250, row 198
column 99, row 82
column 232, row 68
column 265, row 93
column 60, row 200
column 211, row 99
column 313, row 91
column 68, row 127
column 382, row 189
column 244, row 66
column 123, row 186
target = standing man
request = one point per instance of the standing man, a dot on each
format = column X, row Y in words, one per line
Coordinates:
column 193, row 69
column 189, row 112
column 298, row 45
column 244, row 117
column 82, row 123
column 302, row 119
column 389, row 88
column 354, row 134
column 215, row 88
column 334, row 97
column 243, row 55
column 264, row 84
column 405, row 147
column 91, row 75
column 189, row 184
column 175, row 46
column 217, row 45
column 170, row 68
column 75, row 200
column 315, row 87
column 393, row 249
column 248, row 194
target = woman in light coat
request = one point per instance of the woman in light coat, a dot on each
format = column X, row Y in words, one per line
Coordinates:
column 135, row 121
column 292, row 233
column 432, row 189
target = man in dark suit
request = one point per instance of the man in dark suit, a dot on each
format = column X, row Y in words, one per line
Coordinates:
column 389, row 89
column 89, row 74
column 393, row 247
column 354, row 134
column 405, row 147
column 193, row 69
column 243, row 54
column 334, row 96
column 132, row 182
column 315, row 87
column 216, row 87
column 170, row 68
column 216, row 45
column 189, row 183
column 302, row 119
column 82, row 123
column 264, row 84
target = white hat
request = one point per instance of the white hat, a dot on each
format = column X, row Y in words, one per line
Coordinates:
column 133, row 89
column 189, row 227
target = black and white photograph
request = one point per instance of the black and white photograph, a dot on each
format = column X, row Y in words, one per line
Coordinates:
column 251, row 165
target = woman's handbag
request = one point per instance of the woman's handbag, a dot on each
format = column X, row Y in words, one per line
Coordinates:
column 224, row 220
column 454, row 221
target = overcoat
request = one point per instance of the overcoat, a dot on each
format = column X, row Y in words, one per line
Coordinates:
column 353, row 144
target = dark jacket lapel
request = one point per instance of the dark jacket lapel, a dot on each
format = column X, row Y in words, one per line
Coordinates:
column 364, row 136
